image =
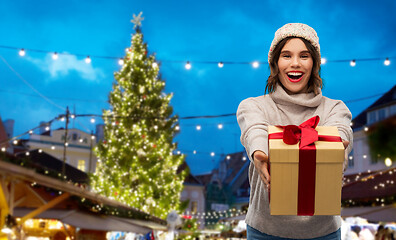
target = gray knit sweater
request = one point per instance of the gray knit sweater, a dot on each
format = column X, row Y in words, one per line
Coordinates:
column 254, row 115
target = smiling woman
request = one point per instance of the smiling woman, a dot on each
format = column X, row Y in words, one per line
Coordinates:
column 295, row 95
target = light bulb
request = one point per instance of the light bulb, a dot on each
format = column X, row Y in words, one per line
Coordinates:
column 121, row 61
column 353, row 63
column 212, row 154
column 92, row 120
column 388, row 162
column 255, row 64
column 220, row 64
column 155, row 65
column 220, row 126
column 387, row 62
column 55, row 56
column 195, row 152
column 198, row 127
column 88, row 59
column 323, row 61
column 22, row 52
column 188, row 66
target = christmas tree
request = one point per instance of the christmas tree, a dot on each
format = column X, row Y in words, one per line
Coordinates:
column 136, row 160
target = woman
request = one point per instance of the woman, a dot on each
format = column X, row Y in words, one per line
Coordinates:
column 294, row 95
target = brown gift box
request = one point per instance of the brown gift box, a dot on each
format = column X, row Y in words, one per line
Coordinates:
column 284, row 171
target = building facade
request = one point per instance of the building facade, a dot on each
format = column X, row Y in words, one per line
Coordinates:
column 78, row 152
column 361, row 159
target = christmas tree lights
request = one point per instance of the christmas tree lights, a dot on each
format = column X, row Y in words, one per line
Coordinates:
column 136, row 165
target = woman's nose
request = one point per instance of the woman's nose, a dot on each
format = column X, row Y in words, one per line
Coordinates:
column 295, row 62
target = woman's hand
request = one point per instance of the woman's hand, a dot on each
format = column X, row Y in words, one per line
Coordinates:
column 345, row 143
column 260, row 161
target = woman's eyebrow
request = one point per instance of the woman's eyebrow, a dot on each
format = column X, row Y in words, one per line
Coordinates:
column 287, row 51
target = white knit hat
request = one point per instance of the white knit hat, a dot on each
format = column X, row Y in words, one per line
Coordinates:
column 295, row 30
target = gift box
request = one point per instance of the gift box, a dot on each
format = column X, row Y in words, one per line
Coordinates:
column 306, row 168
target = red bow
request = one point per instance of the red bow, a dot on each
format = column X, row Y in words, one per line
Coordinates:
column 305, row 132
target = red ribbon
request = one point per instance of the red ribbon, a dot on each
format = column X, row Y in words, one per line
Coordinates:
column 306, row 134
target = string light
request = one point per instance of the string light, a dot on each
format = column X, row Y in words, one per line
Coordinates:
column 388, row 162
column 387, row 62
column 198, row 127
column 220, row 126
column 188, row 66
column 220, row 64
column 22, row 52
column 88, row 60
column 92, row 120
column 55, row 56
column 212, row 154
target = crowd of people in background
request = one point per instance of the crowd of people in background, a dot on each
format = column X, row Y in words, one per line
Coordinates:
column 369, row 233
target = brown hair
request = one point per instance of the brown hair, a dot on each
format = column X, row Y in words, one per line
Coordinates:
column 315, row 81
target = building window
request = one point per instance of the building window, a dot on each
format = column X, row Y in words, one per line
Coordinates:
column 381, row 114
column 371, row 117
column 194, row 207
column 81, row 165
column 392, row 110
column 373, row 160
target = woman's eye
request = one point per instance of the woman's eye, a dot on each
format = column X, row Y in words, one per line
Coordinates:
column 305, row 56
column 286, row 56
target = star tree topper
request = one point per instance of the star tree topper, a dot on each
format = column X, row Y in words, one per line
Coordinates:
column 137, row 20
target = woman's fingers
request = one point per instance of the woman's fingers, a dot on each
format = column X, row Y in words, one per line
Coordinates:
column 261, row 164
column 346, row 143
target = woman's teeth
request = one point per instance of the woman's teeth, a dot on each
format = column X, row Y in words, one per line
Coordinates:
column 294, row 75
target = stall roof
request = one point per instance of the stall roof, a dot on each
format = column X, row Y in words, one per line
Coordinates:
column 74, row 216
column 86, row 220
column 374, row 214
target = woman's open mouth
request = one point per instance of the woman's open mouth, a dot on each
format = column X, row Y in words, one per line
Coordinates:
column 295, row 76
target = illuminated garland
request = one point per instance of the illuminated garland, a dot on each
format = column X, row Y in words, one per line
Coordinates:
column 188, row 64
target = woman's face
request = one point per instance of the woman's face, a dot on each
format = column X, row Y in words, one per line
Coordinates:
column 295, row 66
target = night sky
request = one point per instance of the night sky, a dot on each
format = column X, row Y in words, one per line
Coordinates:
column 36, row 88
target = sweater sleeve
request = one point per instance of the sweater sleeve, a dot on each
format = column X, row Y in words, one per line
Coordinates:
column 340, row 116
column 253, row 125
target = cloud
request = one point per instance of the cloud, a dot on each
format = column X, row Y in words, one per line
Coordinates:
column 67, row 64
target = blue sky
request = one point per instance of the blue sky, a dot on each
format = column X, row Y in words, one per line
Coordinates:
column 183, row 31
